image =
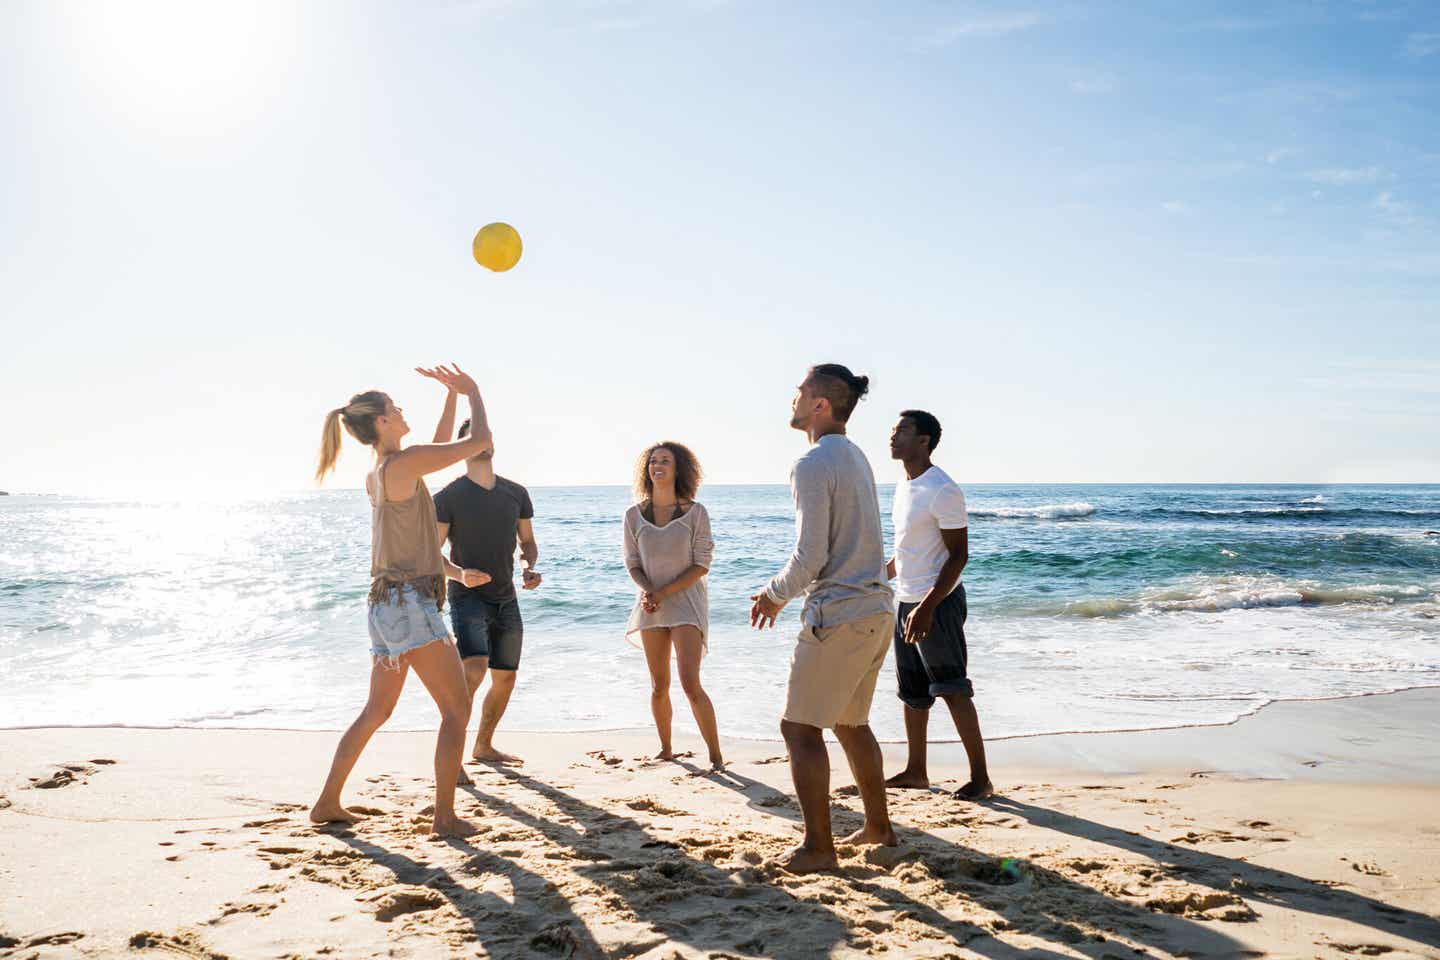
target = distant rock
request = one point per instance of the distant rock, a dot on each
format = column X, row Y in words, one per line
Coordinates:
column 4, row 493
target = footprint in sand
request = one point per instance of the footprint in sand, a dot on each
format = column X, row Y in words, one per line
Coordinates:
column 67, row 774
column 400, row 901
column 605, row 757
column 175, row 944
column 46, row 939
column 1355, row 949
column 1203, row 904
column 651, row 805
column 1195, row 837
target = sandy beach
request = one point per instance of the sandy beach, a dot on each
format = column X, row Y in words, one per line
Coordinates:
column 1308, row 829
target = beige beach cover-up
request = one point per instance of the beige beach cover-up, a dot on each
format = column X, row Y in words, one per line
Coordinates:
column 664, row 553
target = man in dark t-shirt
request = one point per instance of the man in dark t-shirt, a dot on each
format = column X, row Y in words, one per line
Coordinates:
column 484, row 516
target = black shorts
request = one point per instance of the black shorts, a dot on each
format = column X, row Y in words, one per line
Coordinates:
column 484, row 628
column 937, row 664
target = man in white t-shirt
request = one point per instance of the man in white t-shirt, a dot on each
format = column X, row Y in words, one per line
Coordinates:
column 932, row 545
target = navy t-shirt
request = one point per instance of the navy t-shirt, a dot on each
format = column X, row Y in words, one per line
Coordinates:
column 482, row 532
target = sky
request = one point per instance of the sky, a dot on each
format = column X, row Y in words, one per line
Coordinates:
column 1102, row 242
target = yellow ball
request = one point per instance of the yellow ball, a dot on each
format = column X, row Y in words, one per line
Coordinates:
column 497, row 247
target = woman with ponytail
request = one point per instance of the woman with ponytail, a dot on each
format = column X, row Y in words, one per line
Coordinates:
column 407, row 580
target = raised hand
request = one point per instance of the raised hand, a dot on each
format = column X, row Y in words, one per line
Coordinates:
column 440, row 375
column 452, row 378
column 463, row 382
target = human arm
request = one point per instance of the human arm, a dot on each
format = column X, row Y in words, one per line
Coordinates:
column 405, row 468
column 465, row 575
column 811, row 486
column 633, row 565
column 950, row 513
column 529, row 553
column 445, row 429
column 890, row 569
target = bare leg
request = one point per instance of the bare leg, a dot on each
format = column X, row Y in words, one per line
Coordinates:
column 967, row 724
column 438, row 667
column 810, row 768
column 502, row 684
column 385, row 686
column 867, row 765
column 475, row 668
column 689, row 648
column 657, row 658
column 915, row 774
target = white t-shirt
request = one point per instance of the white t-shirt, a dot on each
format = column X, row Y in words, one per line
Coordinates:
column 923, row 507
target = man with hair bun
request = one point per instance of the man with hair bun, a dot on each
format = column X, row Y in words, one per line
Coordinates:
column 932, row 546
column 839, row 565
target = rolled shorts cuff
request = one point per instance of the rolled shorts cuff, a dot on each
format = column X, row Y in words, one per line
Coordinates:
column 391, row 658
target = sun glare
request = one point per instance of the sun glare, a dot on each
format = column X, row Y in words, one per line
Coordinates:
column 190, row 67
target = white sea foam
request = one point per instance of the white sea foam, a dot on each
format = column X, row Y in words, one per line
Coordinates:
column 1217, row 594
column 1049, row 511
column 1318, row 498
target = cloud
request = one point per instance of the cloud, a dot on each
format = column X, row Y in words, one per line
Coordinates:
column 1345, row 176
column 1278, row 154
column 1393, row 209
column 1092, row 84
column 1176, row 207
column 1420, row 45
column 994, row 26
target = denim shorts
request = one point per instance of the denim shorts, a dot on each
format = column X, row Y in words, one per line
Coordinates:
column 405, row 620
column 936, row 665
column 488, row 628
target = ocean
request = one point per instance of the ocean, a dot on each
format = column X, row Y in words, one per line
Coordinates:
column 1092, row 607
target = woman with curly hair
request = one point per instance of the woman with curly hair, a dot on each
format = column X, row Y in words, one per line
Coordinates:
column 668, row 549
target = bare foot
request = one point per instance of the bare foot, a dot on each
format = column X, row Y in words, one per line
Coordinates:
column 976, row 791
column 805, row 860
column 452, row 827
column 491, row 755
column 717, row 764
column 332, row 813
column 665, row 754
column 885, row 836
column 909, row 781
column 463, row 779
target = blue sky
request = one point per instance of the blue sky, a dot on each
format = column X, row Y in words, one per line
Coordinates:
column 1101, row 241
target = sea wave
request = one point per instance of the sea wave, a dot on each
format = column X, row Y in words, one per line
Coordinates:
column 1218, row 594
column 1050, row 511
column 1312, row 512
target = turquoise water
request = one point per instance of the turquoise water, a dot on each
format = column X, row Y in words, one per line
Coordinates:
column 1092, row 607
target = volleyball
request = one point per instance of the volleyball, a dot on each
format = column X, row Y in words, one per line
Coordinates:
column 497, row 247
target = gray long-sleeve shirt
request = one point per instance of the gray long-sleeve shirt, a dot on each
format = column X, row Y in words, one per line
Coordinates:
column 839, row 558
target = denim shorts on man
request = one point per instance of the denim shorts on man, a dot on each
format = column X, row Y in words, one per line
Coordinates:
column 936, row 665
column 486, row 628
column 402, row 621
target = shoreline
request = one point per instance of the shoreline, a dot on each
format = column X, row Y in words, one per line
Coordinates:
column 639, row 730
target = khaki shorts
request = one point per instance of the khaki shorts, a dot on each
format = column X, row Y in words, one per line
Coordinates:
column 833, row 672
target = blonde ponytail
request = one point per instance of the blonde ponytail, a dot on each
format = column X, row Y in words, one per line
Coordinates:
column 359, row 418
column 329, row 444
